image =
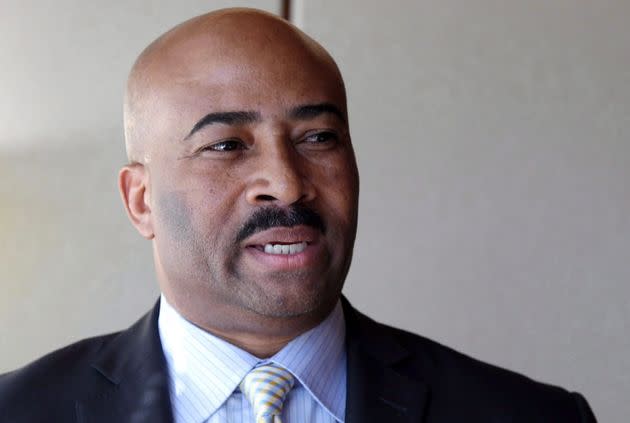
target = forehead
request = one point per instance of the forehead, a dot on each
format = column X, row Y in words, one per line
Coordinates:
column 256, row 72
column 183, row 79
column 252, row 82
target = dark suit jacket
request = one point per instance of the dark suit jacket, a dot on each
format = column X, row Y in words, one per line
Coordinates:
column 393, row 376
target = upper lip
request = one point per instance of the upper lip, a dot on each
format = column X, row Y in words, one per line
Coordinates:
column 284, row 235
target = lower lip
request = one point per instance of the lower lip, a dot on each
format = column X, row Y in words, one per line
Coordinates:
column 300, row 260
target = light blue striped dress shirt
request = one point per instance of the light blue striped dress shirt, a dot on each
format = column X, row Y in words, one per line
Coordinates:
column 205, row 372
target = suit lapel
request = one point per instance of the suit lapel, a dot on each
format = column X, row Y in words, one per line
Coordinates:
column 135, row 378
column 134, row 384
column 376, row 392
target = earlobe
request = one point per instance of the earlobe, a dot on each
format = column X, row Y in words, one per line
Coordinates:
column 133, row 183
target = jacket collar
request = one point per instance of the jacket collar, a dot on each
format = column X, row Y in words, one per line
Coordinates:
column 137, row 380
column 133, row 364
column 376, row 391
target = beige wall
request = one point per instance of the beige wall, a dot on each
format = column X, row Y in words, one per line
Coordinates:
column 493, row 141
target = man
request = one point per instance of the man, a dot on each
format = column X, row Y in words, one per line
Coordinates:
column 242, row 175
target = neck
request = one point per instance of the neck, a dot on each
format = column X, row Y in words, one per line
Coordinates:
column 259, row 335
column 261, row 347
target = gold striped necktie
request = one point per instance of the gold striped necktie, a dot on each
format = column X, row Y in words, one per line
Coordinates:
column 266, row 387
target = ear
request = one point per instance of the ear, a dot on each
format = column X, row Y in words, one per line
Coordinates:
column 133, row 183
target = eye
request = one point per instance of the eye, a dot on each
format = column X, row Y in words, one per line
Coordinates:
column 224, row 146
column 321, row 138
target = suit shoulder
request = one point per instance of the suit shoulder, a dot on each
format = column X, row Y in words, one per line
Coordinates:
column 56, row 377
column 456, row 378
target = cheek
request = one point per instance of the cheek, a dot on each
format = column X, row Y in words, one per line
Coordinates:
column 202, row 201
column 173, row 214
column 341, row 176
column 213, row 196
column 338, row 187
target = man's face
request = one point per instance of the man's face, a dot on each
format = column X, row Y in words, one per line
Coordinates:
column 253, row 186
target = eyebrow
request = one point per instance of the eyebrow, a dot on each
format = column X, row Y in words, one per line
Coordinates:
column 310, row 111
column 226, row 118
column 303, row 112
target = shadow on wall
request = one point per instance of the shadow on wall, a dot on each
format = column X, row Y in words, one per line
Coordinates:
column 67, row 250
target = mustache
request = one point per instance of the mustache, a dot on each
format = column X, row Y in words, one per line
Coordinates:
column 271, row 217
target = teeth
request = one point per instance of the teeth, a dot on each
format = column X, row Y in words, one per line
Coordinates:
column 285, row 248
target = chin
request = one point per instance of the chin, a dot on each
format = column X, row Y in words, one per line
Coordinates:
column 292, row 301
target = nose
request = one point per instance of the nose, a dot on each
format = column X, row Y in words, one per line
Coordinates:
column 280, row 177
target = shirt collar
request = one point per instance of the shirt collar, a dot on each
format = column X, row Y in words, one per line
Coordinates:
column 205, row 370
column 317, row 358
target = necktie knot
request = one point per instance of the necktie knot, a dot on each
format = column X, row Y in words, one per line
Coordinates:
column 266, row 387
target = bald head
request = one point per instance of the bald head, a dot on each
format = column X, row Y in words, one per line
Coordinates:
column 227, row 116
column 246, row 45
